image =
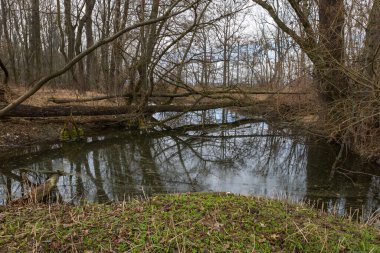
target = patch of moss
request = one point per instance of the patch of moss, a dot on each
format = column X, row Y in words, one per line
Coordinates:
column 71, row 131
column 197, row 222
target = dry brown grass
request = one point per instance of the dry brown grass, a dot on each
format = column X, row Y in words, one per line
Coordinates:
column 356, row 123
column 41, row 98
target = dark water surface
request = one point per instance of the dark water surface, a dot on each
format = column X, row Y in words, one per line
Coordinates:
column 222, row 152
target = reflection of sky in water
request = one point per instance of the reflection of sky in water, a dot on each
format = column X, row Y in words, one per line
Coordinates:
column 247, row 158
column 245, row 165
column 216, row 116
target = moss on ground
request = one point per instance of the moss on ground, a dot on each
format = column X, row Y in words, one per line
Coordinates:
column 197, row 222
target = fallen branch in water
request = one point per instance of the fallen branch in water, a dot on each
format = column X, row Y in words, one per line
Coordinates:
column 37, row 194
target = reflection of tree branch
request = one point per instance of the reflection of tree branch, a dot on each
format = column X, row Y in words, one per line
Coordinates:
column 205, row 127
column 98, row 177
column 126, row 175
column 79, row 182
column 151, row 177
column 89, row 174
column 118, row 138
column 236, row 136
column 184, row 167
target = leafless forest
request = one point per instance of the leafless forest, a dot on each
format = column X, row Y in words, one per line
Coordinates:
column 141, row 48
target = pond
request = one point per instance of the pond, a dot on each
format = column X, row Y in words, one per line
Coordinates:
column 210, row 151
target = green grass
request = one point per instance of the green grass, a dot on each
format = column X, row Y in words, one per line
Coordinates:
column 197, row 222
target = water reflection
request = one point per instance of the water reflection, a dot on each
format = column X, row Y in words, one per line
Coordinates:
column 223, row 152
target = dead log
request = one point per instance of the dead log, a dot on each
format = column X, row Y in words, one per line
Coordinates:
column 58, row 111
column 169, row 95
column 126, row 95
column 37, row 194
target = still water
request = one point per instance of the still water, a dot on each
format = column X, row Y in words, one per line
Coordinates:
column 210, row 151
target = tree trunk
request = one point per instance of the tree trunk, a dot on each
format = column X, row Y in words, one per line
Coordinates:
column 78, row 43
column 5, row 16
column 90, row 59
column 372, row 45
column 104, row 51
column 70, row 33
column 35, row 41
column 3, row 86
column 114, row 68
column 333, row 84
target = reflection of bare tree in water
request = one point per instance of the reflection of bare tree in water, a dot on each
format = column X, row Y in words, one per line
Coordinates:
column 6, row 180
column 343, row 187
column 79, row 164
column 183, row 156
column 120, row 159
column 151, row 178
column 164, row 161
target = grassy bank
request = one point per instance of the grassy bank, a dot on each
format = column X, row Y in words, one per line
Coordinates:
column 182, row 223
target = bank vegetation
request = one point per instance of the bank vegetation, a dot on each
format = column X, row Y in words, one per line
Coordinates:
column 186, row 222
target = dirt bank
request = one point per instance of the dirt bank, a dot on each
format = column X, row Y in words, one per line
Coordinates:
column 26, row 133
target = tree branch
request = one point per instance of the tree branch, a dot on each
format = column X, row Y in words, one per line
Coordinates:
column 309, row 45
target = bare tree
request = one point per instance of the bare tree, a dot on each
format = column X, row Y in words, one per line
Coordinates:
column 70, row 36
column 91, row 58
column 78, row 43
column 323, row 46
column 170, row 12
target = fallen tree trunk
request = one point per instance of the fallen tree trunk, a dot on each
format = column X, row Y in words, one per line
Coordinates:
column 126, row 95
column 58, row 111
column 168, row 95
